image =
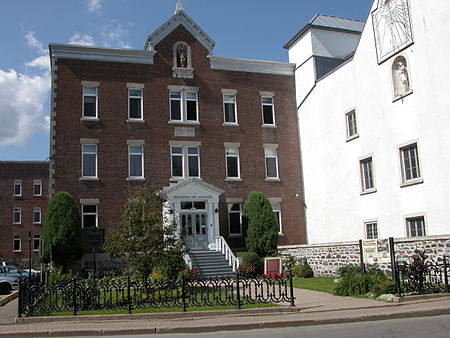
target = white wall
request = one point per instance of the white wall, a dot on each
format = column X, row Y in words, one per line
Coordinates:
column 335, row 209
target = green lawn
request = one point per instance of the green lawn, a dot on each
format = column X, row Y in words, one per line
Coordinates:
column 324, row 284
column 172, row 309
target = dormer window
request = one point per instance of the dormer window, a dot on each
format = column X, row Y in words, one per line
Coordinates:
column 182, row 62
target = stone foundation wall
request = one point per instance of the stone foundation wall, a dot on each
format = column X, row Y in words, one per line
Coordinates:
column 326, row 258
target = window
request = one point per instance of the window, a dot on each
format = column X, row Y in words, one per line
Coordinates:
column 17, row 215
column 136, row 161
column 37, row 188
column 193, row 205
column 232, row 159
column 135, row 104
column 17, row 243
column 89, row 216
column 271, row 160
column 90, row 102
column 229, row 108
column 276, row 207
column 185, row 161
column 89, row 161
column 352, row 129
column 267, row 110
column 235, row 219
column 36, row 242
column 37, row 215
column 371, row 229
column 410, row 164
column 183, row 106
column 17, row 187
column 415, row 226
column 367, row 178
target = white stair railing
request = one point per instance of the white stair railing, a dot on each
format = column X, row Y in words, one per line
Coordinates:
column 222, row 246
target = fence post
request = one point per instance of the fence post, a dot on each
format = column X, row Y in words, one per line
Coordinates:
column 183, row 293
column 361, row 258
column 291, row 286
column 397, row 279
column 238, row 293
column 20, row 301
column 445, row 275
column 128, row 294
column 74, row 295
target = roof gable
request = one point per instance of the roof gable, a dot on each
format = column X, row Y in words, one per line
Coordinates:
column 179, row 18
column 192, row 188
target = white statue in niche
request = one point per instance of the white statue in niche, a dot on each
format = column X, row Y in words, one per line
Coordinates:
column 400, row 76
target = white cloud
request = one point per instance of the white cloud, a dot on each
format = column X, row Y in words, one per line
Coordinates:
column 114, row 35
column 79, row 39
column 42, row 62
column 22, row 102
column 23, row 98
column 34, row 43
column 94, row 6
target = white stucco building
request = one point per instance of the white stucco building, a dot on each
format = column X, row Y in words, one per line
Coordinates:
column 374, row 117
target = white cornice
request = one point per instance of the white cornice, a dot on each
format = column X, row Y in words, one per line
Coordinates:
column 254, row 66
column 179, row 18
column 199, row 184
column 62, row 51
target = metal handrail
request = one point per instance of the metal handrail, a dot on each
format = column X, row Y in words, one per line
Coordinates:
column 222, row 246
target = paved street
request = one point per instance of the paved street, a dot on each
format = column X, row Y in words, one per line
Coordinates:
column 429, row 327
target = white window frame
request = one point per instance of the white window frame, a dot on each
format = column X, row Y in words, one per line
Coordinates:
column 411, row 217
column 35, row 184
column 366, row 232
column 139, row 88
column 89, row 213
column 272, row 148
column 19, row 238
column 415, row 180
column 229, row 211
column 35, row 211
column 275, row 203
column 19, row 211
column 230, row 92
column 130, row 153
column 17, row 183
column 184, row 91
column 96, row 86
column 229, row 149
column 364, row 188
column 36, row 237
column 268, row 95
column 355, row 124
column 94, row 177
column 185, row 159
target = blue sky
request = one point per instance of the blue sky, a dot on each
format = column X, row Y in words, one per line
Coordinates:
column 254, row 29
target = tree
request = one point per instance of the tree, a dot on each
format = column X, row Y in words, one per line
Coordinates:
column 61, row 234
column 144, row 237
column 262, row 230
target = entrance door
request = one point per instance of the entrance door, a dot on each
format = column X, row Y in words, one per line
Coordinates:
column 196, row 229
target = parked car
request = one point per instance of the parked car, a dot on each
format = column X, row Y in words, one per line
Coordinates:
column 7, row 284
column 13, row 271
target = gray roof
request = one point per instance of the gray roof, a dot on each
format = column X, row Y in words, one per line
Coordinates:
column 331, row 23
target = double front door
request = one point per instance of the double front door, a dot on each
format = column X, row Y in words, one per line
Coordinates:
column 196, row 229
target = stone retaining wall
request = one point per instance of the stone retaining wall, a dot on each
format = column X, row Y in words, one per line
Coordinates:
column 326, row 258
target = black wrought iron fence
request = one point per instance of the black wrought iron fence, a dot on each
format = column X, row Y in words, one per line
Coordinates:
column 36, row 297
column 422, row 277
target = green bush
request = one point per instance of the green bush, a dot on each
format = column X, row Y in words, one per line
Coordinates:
column 349, row 270
column 305, row 270
column 252, row 258
column 259, row 220
column 352, row 283
column 56, row 276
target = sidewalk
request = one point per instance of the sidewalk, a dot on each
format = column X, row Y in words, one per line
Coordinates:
column 312, row 308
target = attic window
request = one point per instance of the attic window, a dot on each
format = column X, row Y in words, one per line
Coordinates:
column 182, row 62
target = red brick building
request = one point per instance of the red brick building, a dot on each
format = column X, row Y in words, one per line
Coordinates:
column 23, row 203
column 206, row 130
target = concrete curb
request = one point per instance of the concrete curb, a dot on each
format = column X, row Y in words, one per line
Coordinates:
column 8, row 298
column 231, row 326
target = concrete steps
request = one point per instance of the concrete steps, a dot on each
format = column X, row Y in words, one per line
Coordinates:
column 210, row 263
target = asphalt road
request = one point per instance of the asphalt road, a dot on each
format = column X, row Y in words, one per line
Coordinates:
column 429, row 327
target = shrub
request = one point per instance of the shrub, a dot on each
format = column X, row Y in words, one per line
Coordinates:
column 247, row 271
column 262, row 230
column 354, row 283
column 305, row 270
column 349, row 270
column 252, row 258
column 56, row 276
